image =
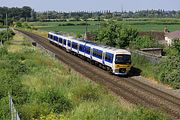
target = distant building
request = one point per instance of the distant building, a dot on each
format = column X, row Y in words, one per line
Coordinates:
column 171, row 36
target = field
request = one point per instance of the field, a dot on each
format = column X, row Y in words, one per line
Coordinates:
column 42, row 87
column 139, row 24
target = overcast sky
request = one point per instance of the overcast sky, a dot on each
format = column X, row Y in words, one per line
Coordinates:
column 93, row 5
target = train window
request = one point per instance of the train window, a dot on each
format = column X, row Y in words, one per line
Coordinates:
column 60, row 40
column 69, row 43
column 109, row 57
column 81, row 48
column 51, row 36
column 48, row 35
column 64, row 42
column 87, row 50
column 55, row 38
column 74, row 45
column 97, row 53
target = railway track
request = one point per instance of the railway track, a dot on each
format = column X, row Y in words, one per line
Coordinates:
column 130, row 89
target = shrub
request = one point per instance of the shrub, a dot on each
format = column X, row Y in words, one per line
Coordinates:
column 169, row 71
column 4, row 34
column 143, row 42
column 3, row 51
column 18, row 24
column 57, row 100
column 83, row 24
column 33, row 110
column 4, row 111
column 67, row 24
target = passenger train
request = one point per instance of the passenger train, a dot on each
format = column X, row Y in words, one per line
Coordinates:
column 117, row 61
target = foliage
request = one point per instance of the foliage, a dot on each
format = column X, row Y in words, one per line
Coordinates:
column 16, row 13
column 113, row 34
column 174, row 49
column 143, row 42
column 169, row 71
column 22, row 25
column 176, row 45
column 57, row 100
column 4, row 34
column 147, row 68
column 33, row 110
column 87, row 93
column 51, row 116
column 4, row 111
column 145, row 114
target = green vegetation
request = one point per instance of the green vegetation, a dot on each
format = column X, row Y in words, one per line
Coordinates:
column 4, row 34
column 75, row 27
column 43, row 87
column 168, row 68
column 115, row 35
column 143, row 42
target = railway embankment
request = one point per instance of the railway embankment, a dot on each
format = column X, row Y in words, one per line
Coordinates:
column 135, row 92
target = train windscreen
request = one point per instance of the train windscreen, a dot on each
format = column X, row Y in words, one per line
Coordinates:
column 123, row 59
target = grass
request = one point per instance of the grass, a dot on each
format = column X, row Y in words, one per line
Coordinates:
column 148, row 25
column 43, row 86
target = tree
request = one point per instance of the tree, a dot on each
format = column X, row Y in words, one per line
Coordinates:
column 26, row 12
column 114, row 34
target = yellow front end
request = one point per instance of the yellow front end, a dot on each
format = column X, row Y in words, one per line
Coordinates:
column 122, row 69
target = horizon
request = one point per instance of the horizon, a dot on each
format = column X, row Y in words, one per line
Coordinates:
column 92, row 6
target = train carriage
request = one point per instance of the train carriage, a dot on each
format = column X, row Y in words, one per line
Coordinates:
column 118, row 61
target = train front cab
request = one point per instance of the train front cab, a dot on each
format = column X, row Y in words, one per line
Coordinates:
column 121, row 64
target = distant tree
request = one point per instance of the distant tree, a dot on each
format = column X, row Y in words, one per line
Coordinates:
column 26, row 12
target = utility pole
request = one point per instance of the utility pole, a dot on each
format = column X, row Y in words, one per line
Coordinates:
column 86, row 25
column 7, row 26
column 85, row 36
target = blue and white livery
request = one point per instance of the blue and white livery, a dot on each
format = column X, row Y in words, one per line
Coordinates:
column 117, row 61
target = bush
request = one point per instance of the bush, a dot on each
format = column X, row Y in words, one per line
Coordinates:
column 18, row 24
column 143, row 42
column 83, row 24
column 169, row 71
column 33, row 110
column 67, row 24
column 4, row 111
column 3, row 51
column 57, row 100
column 4, row 34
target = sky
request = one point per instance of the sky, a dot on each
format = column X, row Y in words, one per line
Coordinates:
column 93, row 5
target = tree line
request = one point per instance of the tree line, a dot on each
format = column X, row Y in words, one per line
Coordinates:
column 26, row 13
